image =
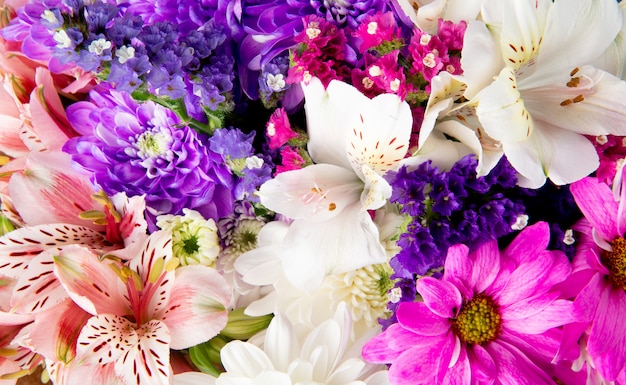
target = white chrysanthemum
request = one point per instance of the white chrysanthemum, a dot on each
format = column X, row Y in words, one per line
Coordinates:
column 364, row 290
column 195, row 239
column 323, row 357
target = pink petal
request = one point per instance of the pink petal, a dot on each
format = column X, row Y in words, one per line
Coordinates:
column 387, row 346
column 608, row 329
column 486, row 266
column 418, row 318
column 483, row 367
column 48, row 114
column 148, row 361
column 432, row 363
column 460, row 373
column 197, row 308
column 587, row 301
column 515, row 368
column 441, row 297
column 50, row 191
column 597, row 204
column 38, row 289
column 458, row 269
column 55, row 331
column 531, row 241
column 105, row 338
column 556, row 314
column 91, row 283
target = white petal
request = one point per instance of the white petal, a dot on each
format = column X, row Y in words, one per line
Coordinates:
column 344, row 243
column 281, row 344
column 577, row 33
column 377, row 190
column 501, row 110
column 601, row 111
column 318, row 192
column 561, row 155
column 193, row 378
column 481, row 58
column 244, row 359
column 379, row 137
column 330, row 114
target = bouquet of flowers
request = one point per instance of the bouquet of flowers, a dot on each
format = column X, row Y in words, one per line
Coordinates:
column 340, row 192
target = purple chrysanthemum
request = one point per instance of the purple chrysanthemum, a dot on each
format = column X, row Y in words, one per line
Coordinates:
column 144, row 149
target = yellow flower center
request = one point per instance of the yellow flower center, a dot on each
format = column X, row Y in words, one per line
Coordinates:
column 478, row 321
column 615, row 261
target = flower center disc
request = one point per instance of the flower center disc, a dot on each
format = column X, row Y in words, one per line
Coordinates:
column 478, row 321
column 615, row 261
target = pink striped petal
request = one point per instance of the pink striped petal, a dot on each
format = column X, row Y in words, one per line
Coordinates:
column 387, row 346
column 55, row 331
column 418, row 318
column 483, row 367
column 197, row 308
column 608, row 328
column 91, row 283
column 598, row 205
column 20, row 246
column 441, row 297
column 460, row 373
column 148, row 362
column 486, row 263
column 37, row 289
column 105, row 339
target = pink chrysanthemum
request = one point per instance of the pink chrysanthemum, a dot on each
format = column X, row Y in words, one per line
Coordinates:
column 601, row 259
column 490, row 319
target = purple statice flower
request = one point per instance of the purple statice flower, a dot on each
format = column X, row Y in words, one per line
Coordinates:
column 347, row 12
column 144, row 149
column 273, row 80
column 237, row 151
column 448, row 208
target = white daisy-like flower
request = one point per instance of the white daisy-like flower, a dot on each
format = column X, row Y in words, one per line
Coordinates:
column 195, row 239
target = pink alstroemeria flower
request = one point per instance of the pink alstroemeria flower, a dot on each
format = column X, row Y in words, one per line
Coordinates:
column 490, row 319
column 141, row 309
column 601, row 260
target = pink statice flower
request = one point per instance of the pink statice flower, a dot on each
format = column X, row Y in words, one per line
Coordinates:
column 292, row 160
column 321, row 51
column 382, row 74
column 611, row 150
column 279, row 130
column 492, row 318
column 600, row 259
column 376, row 30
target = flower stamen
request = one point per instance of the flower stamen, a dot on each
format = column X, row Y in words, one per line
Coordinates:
column 478, row 321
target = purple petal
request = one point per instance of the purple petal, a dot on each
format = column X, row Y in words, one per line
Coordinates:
column 441, row 297
column 418, row 318
column 598, row 205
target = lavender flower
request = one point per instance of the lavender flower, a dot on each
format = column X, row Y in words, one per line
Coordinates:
column 144, row 149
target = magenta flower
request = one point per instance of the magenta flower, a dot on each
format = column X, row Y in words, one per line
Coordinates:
column 279, row 130
column 490, row 319
column 601, row 258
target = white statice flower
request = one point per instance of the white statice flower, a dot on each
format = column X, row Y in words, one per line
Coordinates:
column 353, row 140
column 527, row 66
column 194, row 238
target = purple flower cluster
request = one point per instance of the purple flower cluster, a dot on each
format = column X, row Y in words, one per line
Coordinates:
column 143, row 149
column 135, row 47
column 448, row 208
column 237, row 150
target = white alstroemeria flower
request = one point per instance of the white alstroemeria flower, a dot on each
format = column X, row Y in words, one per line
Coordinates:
column 545, row 94
column 325, row 357
column 426, row 13
column 354, row 140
